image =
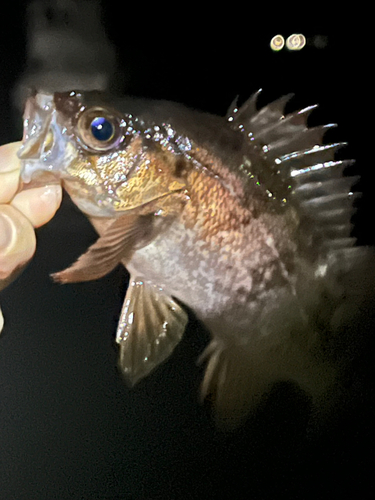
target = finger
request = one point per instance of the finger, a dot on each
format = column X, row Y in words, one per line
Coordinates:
column 39, row 204
column 10, row 167
column 17, row 243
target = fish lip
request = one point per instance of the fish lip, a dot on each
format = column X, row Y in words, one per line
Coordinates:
column 36, row 123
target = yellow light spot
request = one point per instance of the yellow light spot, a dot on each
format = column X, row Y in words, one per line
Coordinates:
column 277, row 43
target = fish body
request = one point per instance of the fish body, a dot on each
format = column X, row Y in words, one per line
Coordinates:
column 244, row 219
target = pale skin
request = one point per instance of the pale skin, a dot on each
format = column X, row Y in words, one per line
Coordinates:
column 23, row 207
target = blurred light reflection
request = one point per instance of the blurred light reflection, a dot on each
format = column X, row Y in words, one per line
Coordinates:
column 296, row 42
column 277, row 43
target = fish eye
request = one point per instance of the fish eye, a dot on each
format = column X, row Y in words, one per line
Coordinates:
column 98, row 129
column 102, row 129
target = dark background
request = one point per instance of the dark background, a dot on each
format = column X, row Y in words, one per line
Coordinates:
column 69, row 427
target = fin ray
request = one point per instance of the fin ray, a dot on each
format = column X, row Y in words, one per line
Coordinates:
column 116, row 245
column 150, row 327
column 289, row 160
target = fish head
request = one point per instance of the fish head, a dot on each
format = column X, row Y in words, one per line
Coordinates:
column 104, row 158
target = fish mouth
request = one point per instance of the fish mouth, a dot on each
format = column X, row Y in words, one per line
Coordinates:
column 44, row 140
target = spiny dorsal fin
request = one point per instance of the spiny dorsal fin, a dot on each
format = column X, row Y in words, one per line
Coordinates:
column 295, row 168
column 247, row 117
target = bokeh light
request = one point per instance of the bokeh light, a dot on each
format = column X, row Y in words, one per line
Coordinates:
column 277, row 43
column 296, row 42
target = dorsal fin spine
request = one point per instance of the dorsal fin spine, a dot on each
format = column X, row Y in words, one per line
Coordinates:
column 293, row 164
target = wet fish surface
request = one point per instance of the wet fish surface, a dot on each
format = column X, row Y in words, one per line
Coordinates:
column 245, row 219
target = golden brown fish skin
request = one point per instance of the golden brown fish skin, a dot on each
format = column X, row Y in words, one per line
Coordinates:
column 217, row 242
column 211, row 209
column 215, row 208
column 155, row 178
column 94, row 169
column 91, row 172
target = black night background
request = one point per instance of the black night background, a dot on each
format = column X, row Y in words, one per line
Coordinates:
column 69, row 426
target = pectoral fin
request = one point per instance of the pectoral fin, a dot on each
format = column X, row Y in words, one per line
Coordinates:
column 150, row 327
column 117, row 244
column 122, row 238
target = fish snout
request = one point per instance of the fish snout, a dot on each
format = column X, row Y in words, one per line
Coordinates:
column 43, row 142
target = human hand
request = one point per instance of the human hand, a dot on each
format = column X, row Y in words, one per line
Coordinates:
column 23, row 207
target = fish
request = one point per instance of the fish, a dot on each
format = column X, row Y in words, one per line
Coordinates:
column 243, row 219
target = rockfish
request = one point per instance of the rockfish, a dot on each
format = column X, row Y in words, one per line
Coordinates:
column 244, row 219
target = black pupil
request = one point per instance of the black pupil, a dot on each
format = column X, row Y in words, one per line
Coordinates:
column 102, row 129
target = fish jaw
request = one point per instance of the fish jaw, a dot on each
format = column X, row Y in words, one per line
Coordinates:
column 46, row 145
